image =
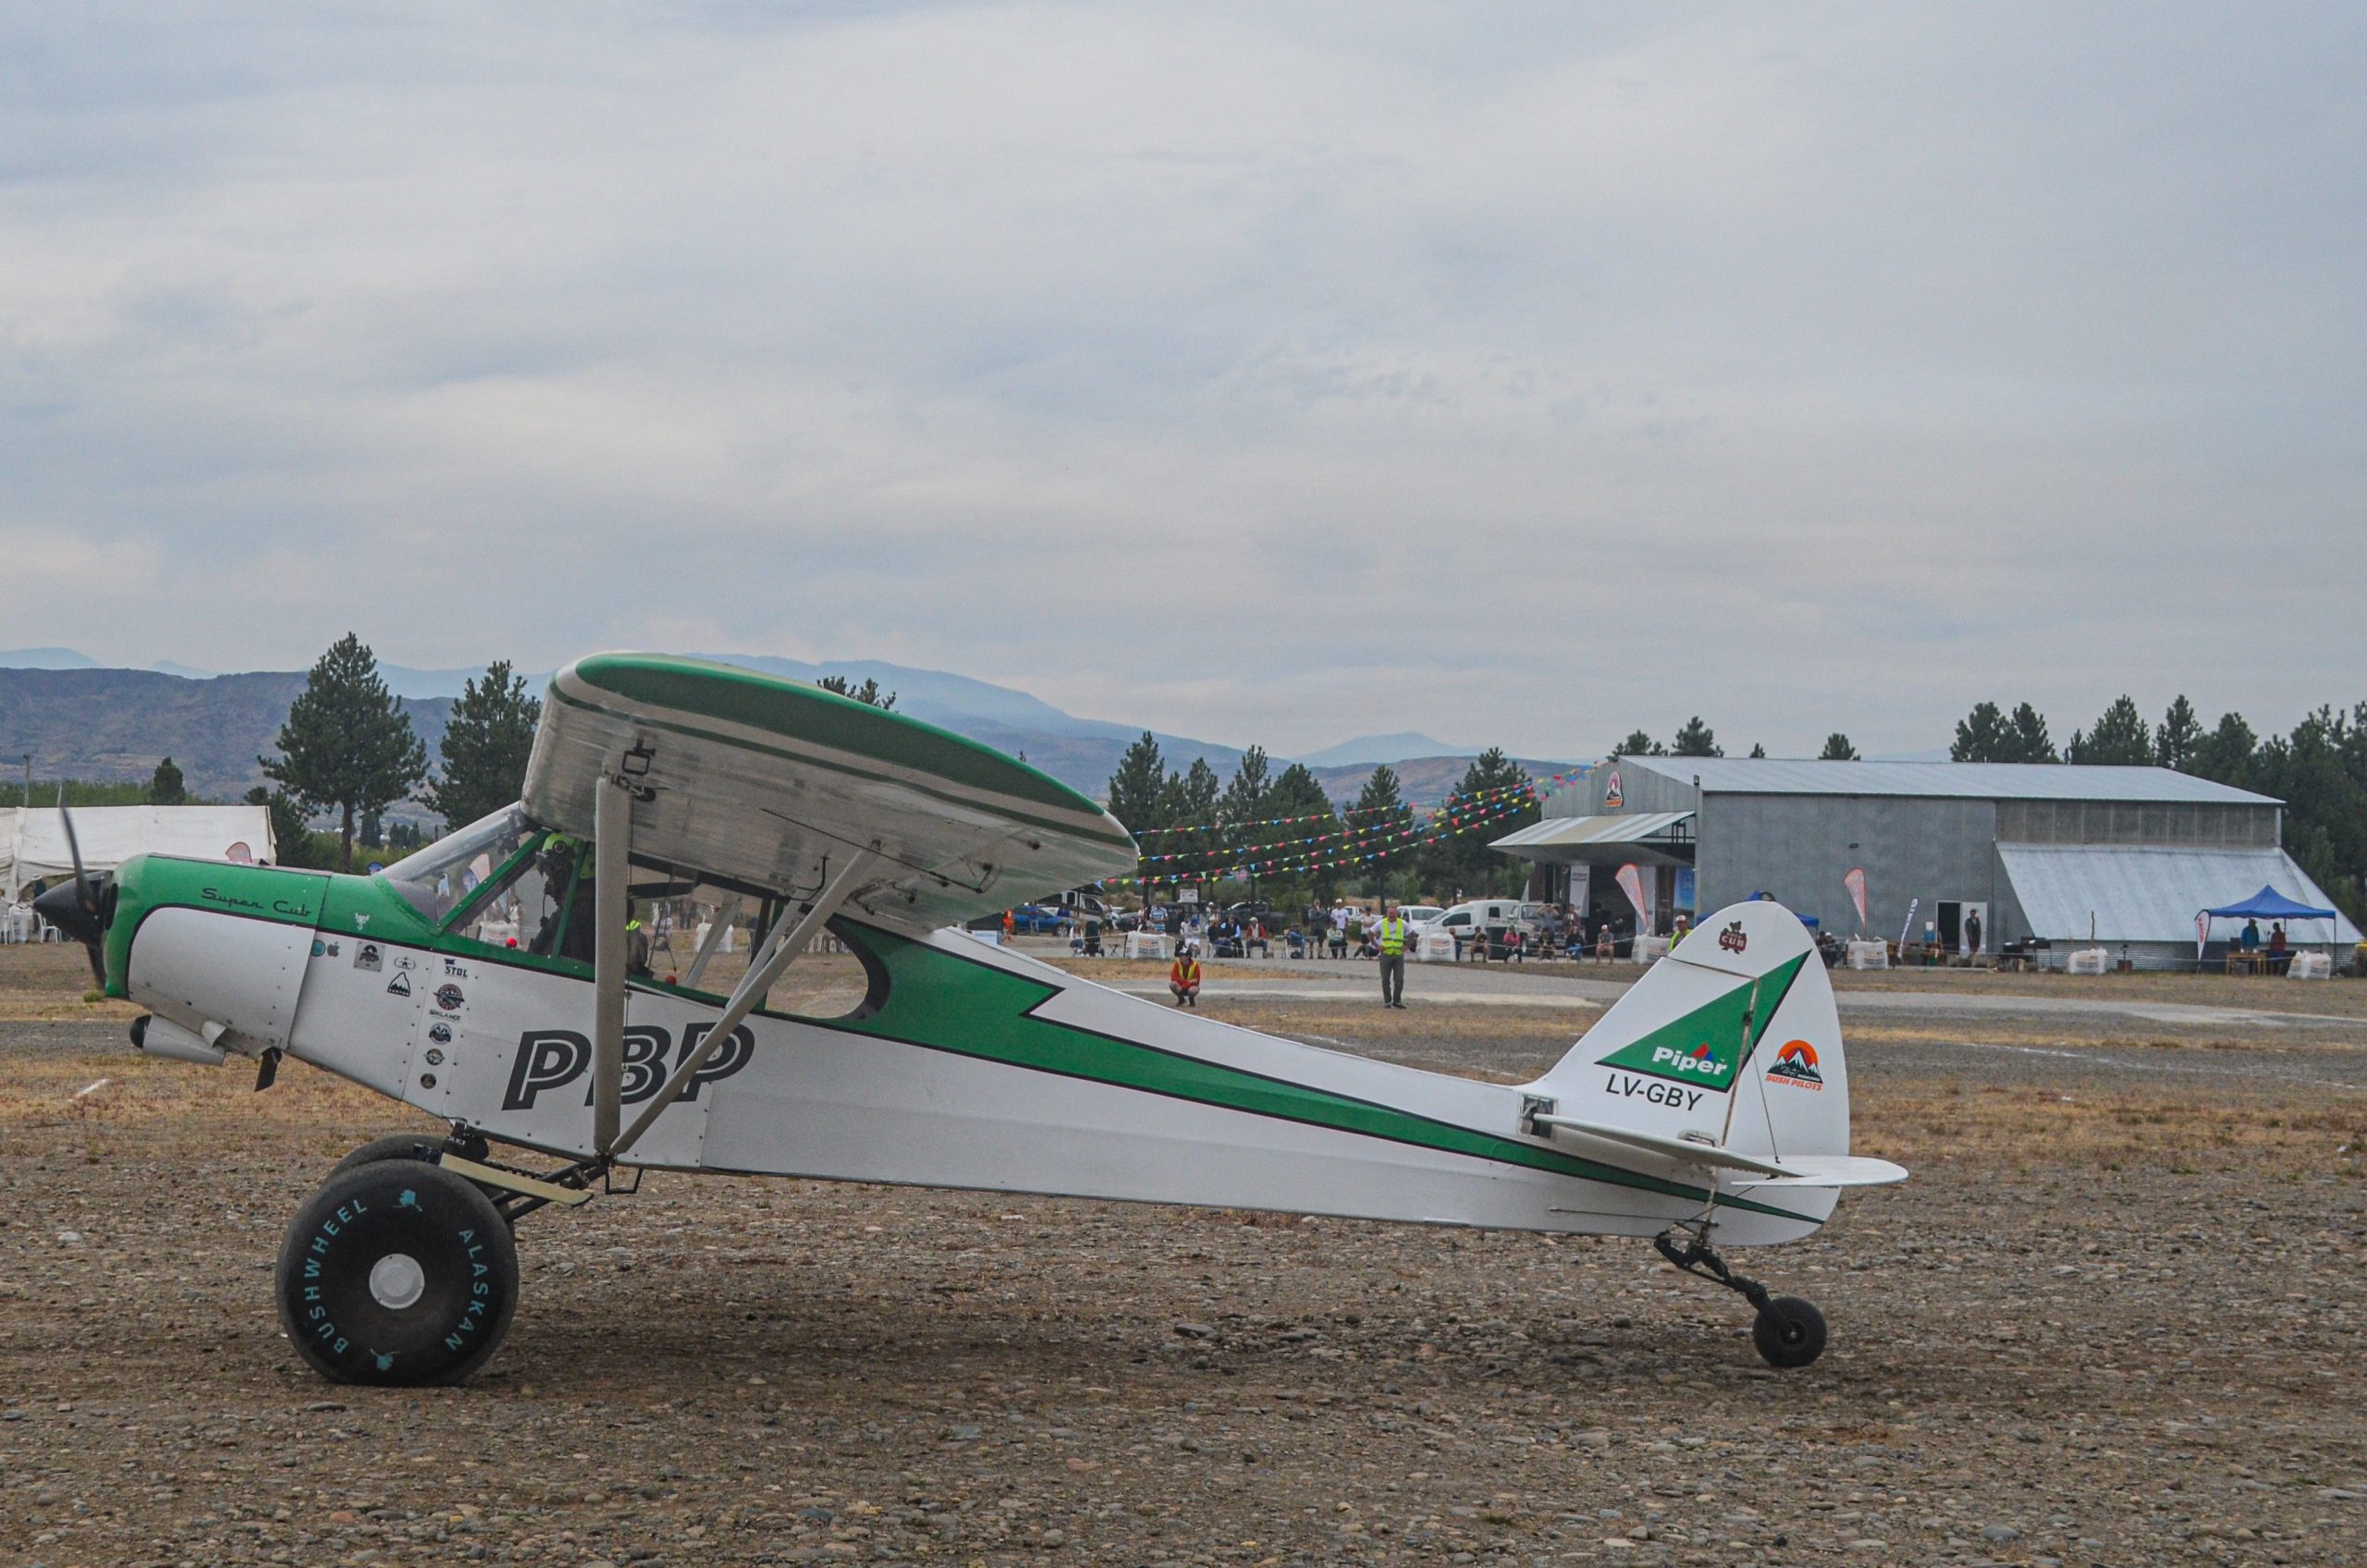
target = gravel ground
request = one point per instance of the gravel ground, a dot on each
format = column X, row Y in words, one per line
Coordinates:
column 2113, row 1319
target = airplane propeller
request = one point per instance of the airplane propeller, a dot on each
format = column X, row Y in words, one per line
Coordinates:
column 74, row 907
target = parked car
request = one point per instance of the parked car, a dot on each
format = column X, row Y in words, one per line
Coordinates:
column 1034, row 919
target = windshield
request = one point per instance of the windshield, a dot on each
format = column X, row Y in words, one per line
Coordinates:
column 437, row 879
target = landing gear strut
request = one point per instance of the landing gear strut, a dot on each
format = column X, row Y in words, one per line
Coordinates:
column 1789, row 1330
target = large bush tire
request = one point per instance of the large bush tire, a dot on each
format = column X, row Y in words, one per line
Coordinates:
column 397, row 1272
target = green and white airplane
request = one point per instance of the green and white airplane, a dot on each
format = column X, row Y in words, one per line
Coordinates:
column 490, row 981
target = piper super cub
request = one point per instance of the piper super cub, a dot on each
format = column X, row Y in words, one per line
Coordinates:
column 489, row 981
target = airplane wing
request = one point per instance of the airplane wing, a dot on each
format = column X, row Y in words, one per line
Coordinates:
column 750, row 779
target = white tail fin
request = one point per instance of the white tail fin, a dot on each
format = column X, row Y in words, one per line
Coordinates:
column 1731, row 1040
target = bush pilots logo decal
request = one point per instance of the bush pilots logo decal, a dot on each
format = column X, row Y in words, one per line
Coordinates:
column 1795, row 1064
column 449, row 998
column 1732, row 938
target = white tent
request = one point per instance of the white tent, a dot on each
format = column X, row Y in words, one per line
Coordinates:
column 33, row 840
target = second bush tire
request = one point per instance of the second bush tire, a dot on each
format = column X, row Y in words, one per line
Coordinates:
column 395, row 1145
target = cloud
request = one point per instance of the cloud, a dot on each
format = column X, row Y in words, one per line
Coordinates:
column 1229, row 370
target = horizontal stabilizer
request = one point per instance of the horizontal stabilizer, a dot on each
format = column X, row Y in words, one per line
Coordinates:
column 1673, row 1148
column 1831, row 1171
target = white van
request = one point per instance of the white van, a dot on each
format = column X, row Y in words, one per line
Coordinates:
column 1489, row 915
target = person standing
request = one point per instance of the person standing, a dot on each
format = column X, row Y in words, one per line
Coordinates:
column 1972, row 932
column 1393, row 930
column 1340, row 931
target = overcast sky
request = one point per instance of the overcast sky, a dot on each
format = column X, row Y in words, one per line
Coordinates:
column 1519, row 374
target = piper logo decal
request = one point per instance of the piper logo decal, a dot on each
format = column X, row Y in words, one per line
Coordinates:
column 1706, row 1048
column 1795, row 1064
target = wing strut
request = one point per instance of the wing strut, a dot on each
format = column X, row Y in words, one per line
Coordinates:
column 781, row 946
column 611, row 860
column 717, row 933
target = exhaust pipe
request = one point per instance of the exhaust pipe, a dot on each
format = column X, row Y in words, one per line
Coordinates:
column 161, row 1036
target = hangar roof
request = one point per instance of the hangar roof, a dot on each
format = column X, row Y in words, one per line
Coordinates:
column 2141, row 893
column 1963, row 781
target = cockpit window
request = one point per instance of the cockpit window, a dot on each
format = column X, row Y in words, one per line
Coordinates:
column 439, row 878
column 522, row 909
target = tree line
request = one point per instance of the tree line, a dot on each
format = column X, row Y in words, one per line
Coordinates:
column 1195, row 828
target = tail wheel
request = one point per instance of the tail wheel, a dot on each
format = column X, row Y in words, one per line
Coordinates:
column 1789, row 1333
column 397, row 1272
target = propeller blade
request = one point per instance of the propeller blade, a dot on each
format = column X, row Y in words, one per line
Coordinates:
column 91, row 937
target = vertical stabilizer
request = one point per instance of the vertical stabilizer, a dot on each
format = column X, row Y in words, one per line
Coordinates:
column 1731, row 1040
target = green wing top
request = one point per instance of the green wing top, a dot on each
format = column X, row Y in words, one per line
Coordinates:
column 754, row 780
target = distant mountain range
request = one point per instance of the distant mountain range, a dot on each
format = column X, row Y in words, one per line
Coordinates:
column 82, row 720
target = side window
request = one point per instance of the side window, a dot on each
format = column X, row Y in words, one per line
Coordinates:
column 524, row 912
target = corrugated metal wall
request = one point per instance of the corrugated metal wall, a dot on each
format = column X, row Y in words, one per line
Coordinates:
column 1799, row 847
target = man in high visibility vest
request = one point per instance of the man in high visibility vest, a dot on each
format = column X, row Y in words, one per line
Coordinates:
column 1393, row 934
column 1183, row 977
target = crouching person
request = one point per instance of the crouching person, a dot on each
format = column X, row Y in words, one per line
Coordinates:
column 1183, row 977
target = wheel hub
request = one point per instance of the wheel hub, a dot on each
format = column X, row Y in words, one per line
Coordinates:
column 398, row 1282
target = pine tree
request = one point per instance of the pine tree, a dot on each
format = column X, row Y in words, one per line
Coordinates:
column 347, row 743
column 1695, row 739
column 1983, row 735
column 1244, row 796
column 868, row 693
column 2028, row 741
column 1474, row 816
column 373, row 831
column 1135, row 788
column 2226, row 754
column 291, row 839
column 2179, row 737
column 1837, row 749
column 1639, row 744
column 1758, row 751
column 2119, row 739
column 165, row 787
column 485, row 748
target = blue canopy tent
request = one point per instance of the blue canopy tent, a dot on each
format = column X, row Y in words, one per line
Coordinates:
column 2267, row 904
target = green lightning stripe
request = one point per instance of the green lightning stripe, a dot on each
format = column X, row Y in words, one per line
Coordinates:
column 1706, row 1046
column 942, row 1001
